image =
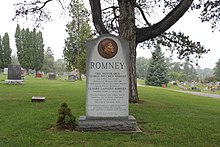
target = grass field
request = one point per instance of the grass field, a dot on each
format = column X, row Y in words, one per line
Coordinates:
column 166, row 118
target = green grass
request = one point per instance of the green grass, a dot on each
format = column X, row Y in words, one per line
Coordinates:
column 166, row 118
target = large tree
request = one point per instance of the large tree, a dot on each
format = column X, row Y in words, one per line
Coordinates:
column 121, row 18
column 38, row 50
column 79, row 32
column 5, row 51
column 30, row 48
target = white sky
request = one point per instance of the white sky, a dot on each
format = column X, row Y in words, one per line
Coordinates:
column 54, row 32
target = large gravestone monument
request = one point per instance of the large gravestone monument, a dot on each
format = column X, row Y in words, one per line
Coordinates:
column 14, row 74
column 107, row 86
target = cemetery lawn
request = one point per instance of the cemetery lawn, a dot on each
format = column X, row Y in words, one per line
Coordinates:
column 166, row 118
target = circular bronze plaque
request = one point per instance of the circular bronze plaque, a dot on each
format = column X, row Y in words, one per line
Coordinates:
column 107, row 48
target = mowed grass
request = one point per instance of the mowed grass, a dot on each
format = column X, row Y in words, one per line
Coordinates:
column 166, row 118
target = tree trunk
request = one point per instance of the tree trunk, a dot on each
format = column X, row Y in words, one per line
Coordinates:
column 80, row 75
column 127, row 30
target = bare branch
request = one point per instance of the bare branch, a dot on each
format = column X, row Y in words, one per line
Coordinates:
column 143, row 15
column 35, row 9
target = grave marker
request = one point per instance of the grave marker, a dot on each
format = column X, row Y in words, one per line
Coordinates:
column 107, row 86
column 14, row 74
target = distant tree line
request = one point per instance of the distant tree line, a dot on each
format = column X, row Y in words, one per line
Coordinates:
column 175, row 70
column 159, row 70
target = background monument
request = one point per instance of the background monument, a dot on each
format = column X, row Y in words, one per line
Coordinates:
column 14, row 74
column 107, row 86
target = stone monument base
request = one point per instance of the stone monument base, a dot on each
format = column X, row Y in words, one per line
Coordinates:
column 107, row 124
column 14, row 81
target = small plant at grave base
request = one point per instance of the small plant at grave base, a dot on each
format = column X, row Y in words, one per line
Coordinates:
column 65, row 119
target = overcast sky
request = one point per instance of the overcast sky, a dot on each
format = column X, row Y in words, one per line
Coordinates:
column 54, row 32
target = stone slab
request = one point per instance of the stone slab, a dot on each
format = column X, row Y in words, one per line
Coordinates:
column 107, row 124
column 38, row 99
column 14, row 81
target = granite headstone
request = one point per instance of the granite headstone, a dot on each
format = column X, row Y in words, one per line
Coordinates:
column 107, row 86
column 51, row 76
column 14, row 72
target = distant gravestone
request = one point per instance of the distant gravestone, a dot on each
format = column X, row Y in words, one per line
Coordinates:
column 107, row 86
column 14, row 74
column 5, row 71
column 51, row 76
column 213, row 89
column 72, row 77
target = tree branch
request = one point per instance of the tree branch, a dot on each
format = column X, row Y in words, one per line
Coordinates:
column 97, row 17
column 153, row 31
column 143, row 15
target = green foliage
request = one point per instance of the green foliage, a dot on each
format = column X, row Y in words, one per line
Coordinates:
column 5, row 51
column 79, row 32
column 217, row 70
column 210, row 79
column 189, row 71
column 38, row 53
column 204, row 73
column 65, row 118
column 157, row 71
column 30, row 48
column 59, row 66
column 141, row 67
column 182, row 72
column 48, row 62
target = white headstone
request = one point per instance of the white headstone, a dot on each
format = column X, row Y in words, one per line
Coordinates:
column 5, row 71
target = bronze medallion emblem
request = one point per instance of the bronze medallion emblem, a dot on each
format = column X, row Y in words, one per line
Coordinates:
column 107, row 48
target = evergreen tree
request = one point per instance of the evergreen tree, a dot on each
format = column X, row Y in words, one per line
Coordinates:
column 78, row 31
column 6, row 51
column 157, row 70
column 217, row 70
column 30, row 48
column 38, row 53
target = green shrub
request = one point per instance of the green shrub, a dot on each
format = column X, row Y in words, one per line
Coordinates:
column 65, row 119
